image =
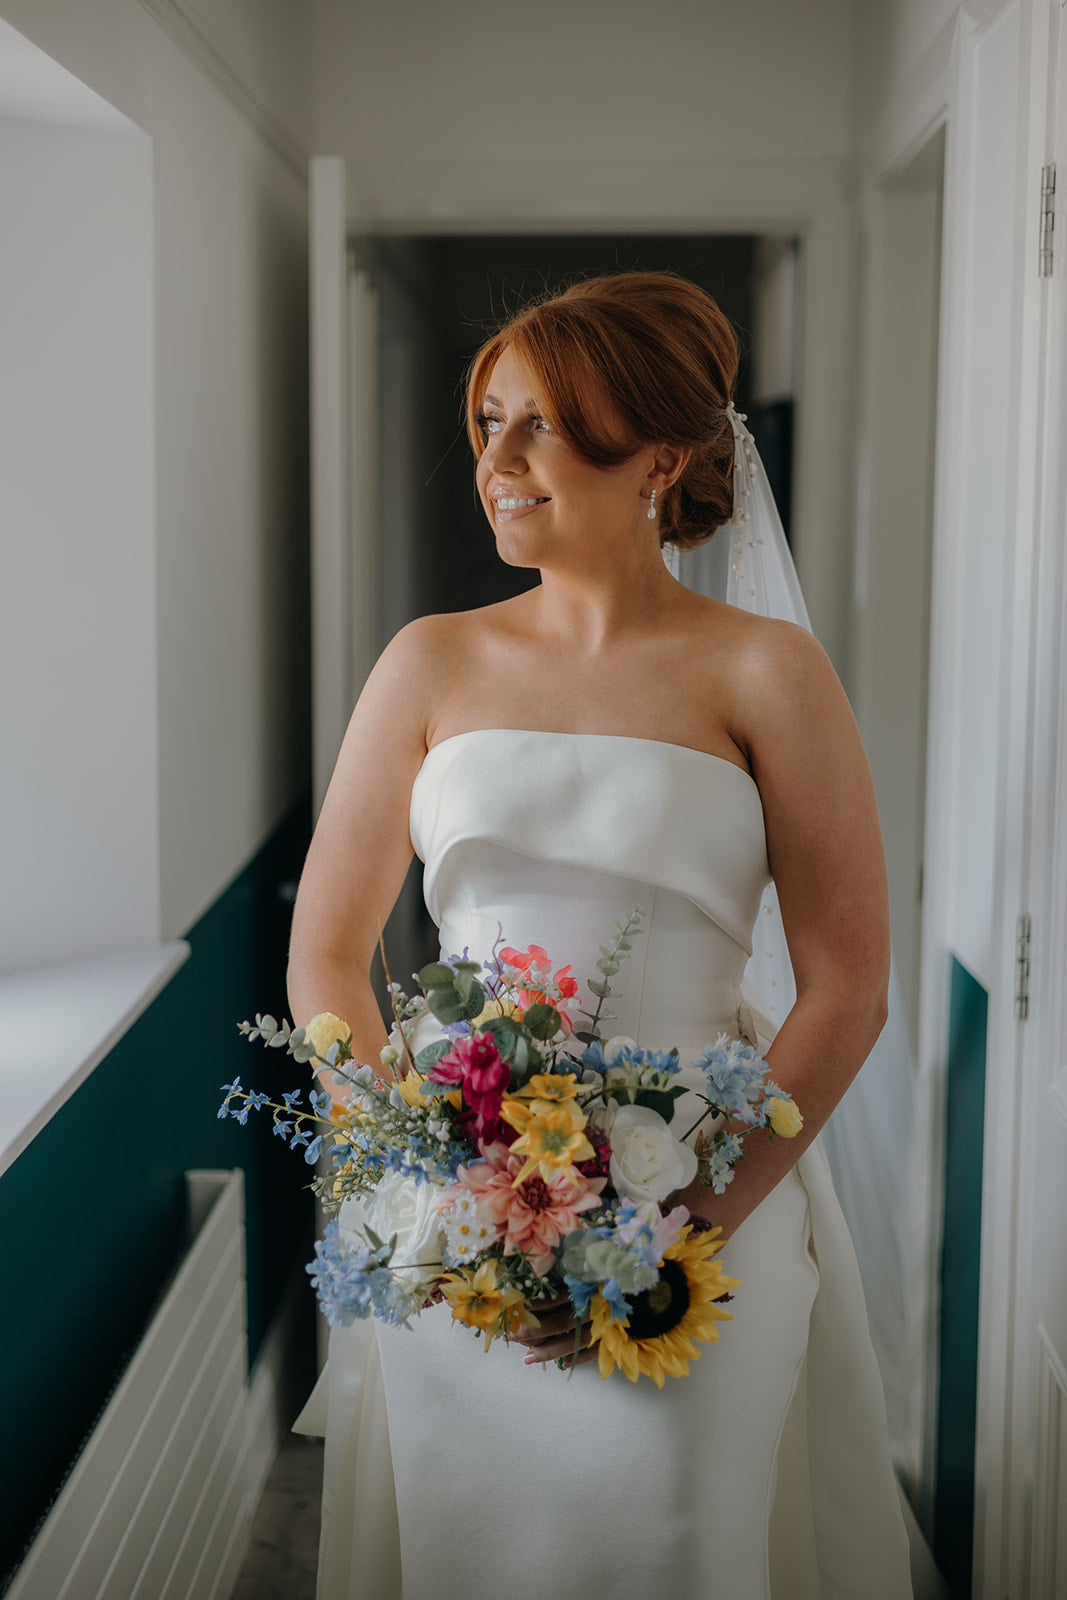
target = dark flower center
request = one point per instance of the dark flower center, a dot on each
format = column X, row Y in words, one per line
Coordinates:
column 536, row 1195
column 658, row 1310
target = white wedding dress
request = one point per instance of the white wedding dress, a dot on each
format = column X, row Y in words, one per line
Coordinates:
column 764, row 1475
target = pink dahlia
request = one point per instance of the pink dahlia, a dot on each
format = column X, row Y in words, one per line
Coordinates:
column 536, row 1215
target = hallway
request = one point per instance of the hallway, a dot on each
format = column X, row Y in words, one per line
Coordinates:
column 248, row 249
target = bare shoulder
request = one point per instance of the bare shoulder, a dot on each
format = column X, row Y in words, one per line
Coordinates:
column 771, row 655
column 448, row 639
column 776, row 687
column 420, row 664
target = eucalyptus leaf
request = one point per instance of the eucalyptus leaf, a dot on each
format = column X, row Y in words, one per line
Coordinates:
column 601, row 990
column 430, row 1055
column 543, row 1021
column 435, row 976
column 475, row 1001
column 447, row 1006
column 504, row 1033
column 608, row 968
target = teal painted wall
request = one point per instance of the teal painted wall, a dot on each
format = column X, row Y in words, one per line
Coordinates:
column 960, row 1268
column 92, row 1214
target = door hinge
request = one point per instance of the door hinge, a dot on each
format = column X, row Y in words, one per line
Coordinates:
column 1048, row 218
column 1022, row 968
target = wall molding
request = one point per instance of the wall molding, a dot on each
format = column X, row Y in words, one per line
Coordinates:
column 188, row 31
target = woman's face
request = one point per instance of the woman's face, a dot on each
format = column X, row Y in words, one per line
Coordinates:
column 545, row 503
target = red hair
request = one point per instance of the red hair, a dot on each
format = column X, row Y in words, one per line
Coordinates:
column 664, row 356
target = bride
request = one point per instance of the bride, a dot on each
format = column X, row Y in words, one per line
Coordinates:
column 609, row 739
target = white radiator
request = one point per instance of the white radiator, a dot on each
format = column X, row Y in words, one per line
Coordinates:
column 159, row 1504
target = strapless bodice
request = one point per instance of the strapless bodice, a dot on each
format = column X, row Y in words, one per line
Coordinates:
column 545, row 838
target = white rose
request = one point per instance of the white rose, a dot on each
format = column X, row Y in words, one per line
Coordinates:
column 647, row 1161
column 418, row 1033
column 400, row 1205
column 615, row 1047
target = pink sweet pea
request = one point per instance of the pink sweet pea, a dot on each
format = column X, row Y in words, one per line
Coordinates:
column 475, row 1062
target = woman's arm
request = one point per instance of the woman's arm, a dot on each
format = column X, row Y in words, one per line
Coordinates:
column 825, row 850
column 361, row 848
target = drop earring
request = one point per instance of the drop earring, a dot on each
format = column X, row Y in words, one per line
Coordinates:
column 652, row 505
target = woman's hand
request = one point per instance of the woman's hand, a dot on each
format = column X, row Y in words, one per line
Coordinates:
column 553, row 1340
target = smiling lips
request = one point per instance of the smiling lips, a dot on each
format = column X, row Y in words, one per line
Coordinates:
column 512, row 505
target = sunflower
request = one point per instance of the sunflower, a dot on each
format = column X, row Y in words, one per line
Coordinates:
column 657, row 1337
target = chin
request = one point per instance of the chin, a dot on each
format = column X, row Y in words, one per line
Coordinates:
column 518, row 553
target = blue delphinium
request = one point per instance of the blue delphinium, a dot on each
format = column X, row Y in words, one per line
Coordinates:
column 717, row 1164
column 615, row 1300
column 736, row 1076
column 581, row 1292
column 355, row 1283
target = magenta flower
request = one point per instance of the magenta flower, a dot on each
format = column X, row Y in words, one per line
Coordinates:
column 475, row 1062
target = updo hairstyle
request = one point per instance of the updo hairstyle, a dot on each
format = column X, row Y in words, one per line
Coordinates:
column 666, row 357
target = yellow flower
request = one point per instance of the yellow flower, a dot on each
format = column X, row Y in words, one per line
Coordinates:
column 550, row 1086
column 552, row 1138
column 494, row 1008
column 324, row 1030
column 409, row 1087
column 477, row 1300
column 783, row 1117
column 657, row 1337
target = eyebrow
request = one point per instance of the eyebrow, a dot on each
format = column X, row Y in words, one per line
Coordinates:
column 530, row 404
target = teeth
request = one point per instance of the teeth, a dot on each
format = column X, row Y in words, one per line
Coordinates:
column 512, row 504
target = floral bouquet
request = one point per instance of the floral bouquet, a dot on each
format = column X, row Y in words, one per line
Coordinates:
column 507, row 1157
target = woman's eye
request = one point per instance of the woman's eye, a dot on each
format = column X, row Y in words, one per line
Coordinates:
column 488, row 424
column 540, row 425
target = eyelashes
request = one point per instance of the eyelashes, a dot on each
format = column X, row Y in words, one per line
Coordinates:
column 489, row 423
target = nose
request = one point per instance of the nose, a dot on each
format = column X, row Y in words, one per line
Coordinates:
column 503, row 451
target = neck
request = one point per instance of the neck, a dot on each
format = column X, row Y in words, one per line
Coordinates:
column 595, row 609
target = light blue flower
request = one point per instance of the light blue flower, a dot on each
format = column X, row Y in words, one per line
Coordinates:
column 320, row 1101
column 311, row 1154
column 290, row 1098
column 736, row 1075
column 282, row 1128
column 301, row 1136
column 257, row 1099
column 616, row 1301
column 719, row 1163
column 581, row 1293
column 352, row 1282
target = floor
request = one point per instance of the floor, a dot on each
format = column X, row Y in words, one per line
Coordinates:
column 281, row 1559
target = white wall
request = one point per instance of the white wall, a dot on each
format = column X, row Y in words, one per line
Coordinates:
column 222, row 92
column 79, row 847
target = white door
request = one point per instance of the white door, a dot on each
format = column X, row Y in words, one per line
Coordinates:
column 1021, row 1543
column 1039, row 1397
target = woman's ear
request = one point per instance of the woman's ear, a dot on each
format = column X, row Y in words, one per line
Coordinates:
column 668, row 465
